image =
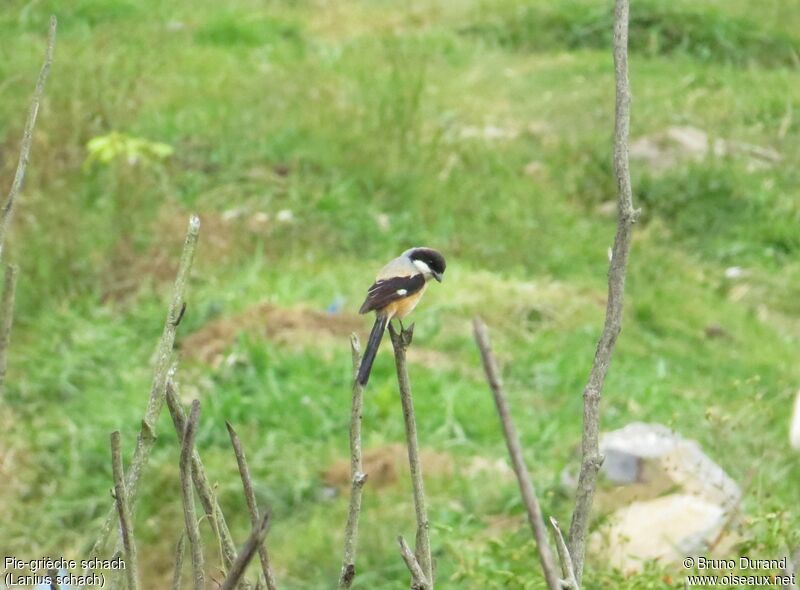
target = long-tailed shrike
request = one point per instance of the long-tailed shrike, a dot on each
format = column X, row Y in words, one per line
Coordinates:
column 397, row 290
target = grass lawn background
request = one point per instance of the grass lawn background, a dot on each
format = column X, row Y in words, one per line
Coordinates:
column 316, row 140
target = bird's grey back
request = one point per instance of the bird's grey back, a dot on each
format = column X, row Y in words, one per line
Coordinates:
column 398, row 267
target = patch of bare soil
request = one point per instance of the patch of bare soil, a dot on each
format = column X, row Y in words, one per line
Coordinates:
column 294, row 326
column 384, row 465
column 285, row 325
column 222, row 239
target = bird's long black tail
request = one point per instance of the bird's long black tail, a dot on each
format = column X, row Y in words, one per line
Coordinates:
column 372, row 349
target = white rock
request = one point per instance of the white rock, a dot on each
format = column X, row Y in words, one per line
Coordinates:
column 666, row 529
column 640, row 447
column 794, row 429
column 488, row 132
column 669, row 501
column 667, row 148
column 734, row 272
column 383, row 221
column 285, row 216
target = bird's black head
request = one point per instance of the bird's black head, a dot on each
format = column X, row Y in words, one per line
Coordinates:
column 429, row 261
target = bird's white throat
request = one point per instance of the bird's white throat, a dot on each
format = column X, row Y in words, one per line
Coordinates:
column 423, row 267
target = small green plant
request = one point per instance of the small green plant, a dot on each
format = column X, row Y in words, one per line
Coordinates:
column 104, row 149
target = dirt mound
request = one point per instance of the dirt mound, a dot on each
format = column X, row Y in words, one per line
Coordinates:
column 285, row 325
column 221, row 241
column 383, row 465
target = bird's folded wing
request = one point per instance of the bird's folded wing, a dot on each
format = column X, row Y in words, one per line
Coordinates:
column 384, row 291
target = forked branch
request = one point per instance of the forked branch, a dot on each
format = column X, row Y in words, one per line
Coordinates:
column 125, row 523
column 189, row 514
column 205, row 491
column 567, row 569
column 254, row 541
column 418, row 579
column 147, row 435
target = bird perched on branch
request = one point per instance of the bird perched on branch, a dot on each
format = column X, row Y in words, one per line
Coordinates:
column 397, row 290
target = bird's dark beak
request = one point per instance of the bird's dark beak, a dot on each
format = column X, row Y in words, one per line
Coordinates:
column 438, row 276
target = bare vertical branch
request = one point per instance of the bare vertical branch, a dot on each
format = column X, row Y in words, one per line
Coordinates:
column 192, row 528
column 180, row 550
column 147, row 436
column 204, row 489
column 590, row 452
column 418, row 579
column 400, row 343
column 567, row 569
column 10, row 281
column 789, row 573
column 53, row 574
column 6, row 319
column 125, row 522
column 526, row 488
column 357, row 474
column 250, row 497
column 164, row 354
column 27, row 135
column 254, row 541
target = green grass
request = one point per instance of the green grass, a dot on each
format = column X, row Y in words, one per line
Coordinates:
column 356, row 115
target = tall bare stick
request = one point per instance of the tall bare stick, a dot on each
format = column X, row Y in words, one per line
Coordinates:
column 10, row 281
column 526, row 488
column 400, row 343
column 252, row 507
column 590, row 452
column 125, row 522
column 27, row 135
column 192, row 528
column 357, row 474
column 53, row 575
column 254, row 541
column 147, row 436
column 418, row 579
column 6, row 319
column 204, row 488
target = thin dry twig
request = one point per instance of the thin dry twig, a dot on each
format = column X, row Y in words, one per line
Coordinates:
column 6, row 319
column 252, row 507
column 400, row 343
column 177, row 574
column 254, row 541
column 147, row 436
column 27, row 135
column 590, row 452
column 204, row 488
column 567, row 569
column 526, row 488
column 358, row 476
column 789, row 573
column 418, row 579
column 53, row 575
column 125, row 522
column 10, row 281
column 190, row 517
